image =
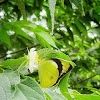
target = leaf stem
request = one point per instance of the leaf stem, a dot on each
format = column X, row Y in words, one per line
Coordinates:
column 2, row 69
column 22, row 65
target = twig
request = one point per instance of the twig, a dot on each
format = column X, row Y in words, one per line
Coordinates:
column 97, row 87
column 19, row 50
column 84, row 80
column 2, row 2
column 24, row 49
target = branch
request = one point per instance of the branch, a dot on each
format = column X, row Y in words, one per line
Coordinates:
column 2, row 2
column 97, row 87
column 84, row 80
column 22, row 49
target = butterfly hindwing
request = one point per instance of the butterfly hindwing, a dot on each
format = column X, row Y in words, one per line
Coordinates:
column 65, row 65
column 48, row 73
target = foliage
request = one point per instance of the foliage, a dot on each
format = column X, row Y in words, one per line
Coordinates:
column 71, row 27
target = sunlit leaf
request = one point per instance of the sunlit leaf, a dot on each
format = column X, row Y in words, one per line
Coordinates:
column 5, row 88
column 29, row 90
column 11, row 63
column 13, row 77
column 63, row 85
column 86, row 97
column 48, row 53
column 54, row 95
column 62, row 1
column 48, row 97
column 42, row 41
column 52, row 4
column 47, row 37
column 94, row 90
column 20, row 32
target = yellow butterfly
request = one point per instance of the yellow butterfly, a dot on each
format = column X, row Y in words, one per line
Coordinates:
column 49, row 70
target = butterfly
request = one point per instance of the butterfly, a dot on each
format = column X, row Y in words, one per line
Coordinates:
column 50, row 70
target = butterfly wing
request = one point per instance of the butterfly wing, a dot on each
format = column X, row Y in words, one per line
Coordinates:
column 48, row 73
column 66, row 65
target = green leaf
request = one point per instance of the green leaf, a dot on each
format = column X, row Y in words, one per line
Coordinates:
column 76, row 30
column 86, row 97
column 41, row 33
column 81, row 27
column 5, row 88
column 25, row 24
column 94, row 90
column 52, row 4
column 29, row 90
column 16, row 27
column 20, row 32
column 47, row 37
column 21, row 7
column 70, row 33
column 76, row 92
column 43, row 52
column 48, row 53
column 63, row 85
column 10, row 78
column 58, row 43
column 29, row 26
column 97, row 17
column 78, row 4
column 39, row 28
column 43, row 42
column 54, row 95
column 4, row 37
column 7, row 25
column 97, row 9
column 62, row 1
column 11, row 63
column 13, row 77
column 47, row 97
column 86, row 21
